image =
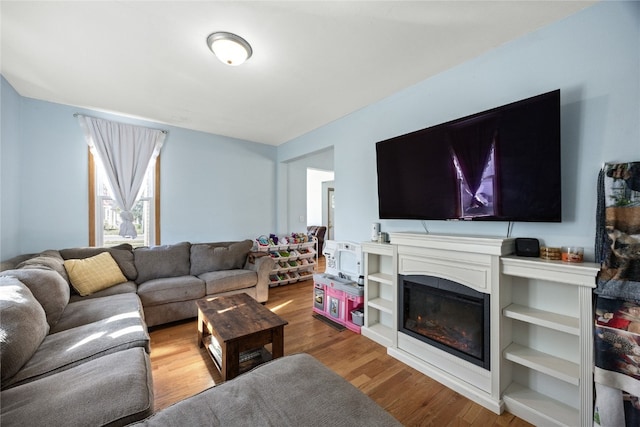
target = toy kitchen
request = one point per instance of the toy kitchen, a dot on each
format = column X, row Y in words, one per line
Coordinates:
column 338, row 293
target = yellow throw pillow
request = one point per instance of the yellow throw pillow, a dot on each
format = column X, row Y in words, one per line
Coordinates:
column 93, row 274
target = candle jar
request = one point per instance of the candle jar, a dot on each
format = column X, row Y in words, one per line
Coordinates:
column 550, row 254
column 572, row 254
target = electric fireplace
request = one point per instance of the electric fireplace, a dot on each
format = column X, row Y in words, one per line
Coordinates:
column 446, row 315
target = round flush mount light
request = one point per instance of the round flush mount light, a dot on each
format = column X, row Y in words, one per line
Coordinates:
column 229, row 48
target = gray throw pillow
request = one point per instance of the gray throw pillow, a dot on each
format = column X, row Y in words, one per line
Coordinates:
column 51, row 290
column 122, row 254
column 162, row 261
column 23, row 324
column 206, row 257
column 49, row 259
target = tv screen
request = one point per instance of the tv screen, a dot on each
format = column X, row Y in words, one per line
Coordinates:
column 498, row 165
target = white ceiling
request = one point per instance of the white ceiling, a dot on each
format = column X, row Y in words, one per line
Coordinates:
column 313, row 61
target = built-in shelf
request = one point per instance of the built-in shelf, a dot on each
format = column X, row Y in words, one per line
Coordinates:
column 542, row 409
column 382, row 304
column 531, row 290
column 545, row 363
column 547, row 319
column 387, row 279
column 380, row 323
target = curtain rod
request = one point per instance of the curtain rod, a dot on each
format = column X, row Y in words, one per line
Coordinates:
column 93, row 117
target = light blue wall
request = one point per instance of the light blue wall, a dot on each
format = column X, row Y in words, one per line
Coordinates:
column 53, row 178
column 212, row 188
column 216, row 188
column 10, row 155
column 592, row 56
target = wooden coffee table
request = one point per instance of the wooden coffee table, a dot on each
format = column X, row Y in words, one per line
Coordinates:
column 234, row 330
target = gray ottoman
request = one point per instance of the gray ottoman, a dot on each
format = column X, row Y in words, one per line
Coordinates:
column 295, row 391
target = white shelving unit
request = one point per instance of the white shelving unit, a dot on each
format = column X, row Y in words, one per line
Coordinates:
column 293, row 262
column 547, row 341
column 541, row 323
column 380, row 293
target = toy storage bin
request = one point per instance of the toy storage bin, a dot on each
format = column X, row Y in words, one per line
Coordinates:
column 310, row 244
column 293, row 277
column 306, row 253
column 357, row 316
column 351, row 304
column 283, row 253
column 305, row 274
column 293, row 254
column 283, row 267
column 276, row 280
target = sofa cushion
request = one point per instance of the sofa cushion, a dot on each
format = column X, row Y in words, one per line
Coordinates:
column 48, row 287
column 23, row 326
column 66, row 349
column 121, row 288
column 170, row 312
column 162, row 261
column 170, row 289
column 93, row 274
column 114, row 390
column 48, row 260
column 123, row 254
column 95, row 309
column 228, row 280
column 218, row 256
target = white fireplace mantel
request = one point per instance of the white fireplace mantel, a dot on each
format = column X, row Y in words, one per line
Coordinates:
column 457, row 243
column 472, row 261
column 524, row 323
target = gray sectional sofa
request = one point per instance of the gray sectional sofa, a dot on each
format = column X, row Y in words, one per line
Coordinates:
column 71, row 359
column 168, row 278
column 74, row 349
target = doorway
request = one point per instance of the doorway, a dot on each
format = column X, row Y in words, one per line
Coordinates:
column 317, row 203
column 331, row 204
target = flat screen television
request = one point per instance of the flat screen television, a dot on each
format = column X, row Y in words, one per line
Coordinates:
column 501, row 164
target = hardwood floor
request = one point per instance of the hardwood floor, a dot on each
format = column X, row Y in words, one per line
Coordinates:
column 182, row 369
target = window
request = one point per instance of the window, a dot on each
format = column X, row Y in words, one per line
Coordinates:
column 104, row 214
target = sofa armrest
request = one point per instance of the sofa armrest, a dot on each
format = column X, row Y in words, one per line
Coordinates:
column 262, row 265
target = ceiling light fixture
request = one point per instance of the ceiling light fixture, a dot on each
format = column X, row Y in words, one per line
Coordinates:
column 229, row 48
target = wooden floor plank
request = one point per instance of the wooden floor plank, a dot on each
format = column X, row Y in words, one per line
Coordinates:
column 182, row 369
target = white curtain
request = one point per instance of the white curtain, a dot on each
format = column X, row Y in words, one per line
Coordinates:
column 125, row 151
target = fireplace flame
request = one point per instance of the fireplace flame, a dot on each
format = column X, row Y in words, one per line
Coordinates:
column 449, row 335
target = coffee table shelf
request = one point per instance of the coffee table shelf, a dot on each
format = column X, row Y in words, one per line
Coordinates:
column 252, row 358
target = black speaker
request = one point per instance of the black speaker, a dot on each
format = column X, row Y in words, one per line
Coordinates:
column 526, row 246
